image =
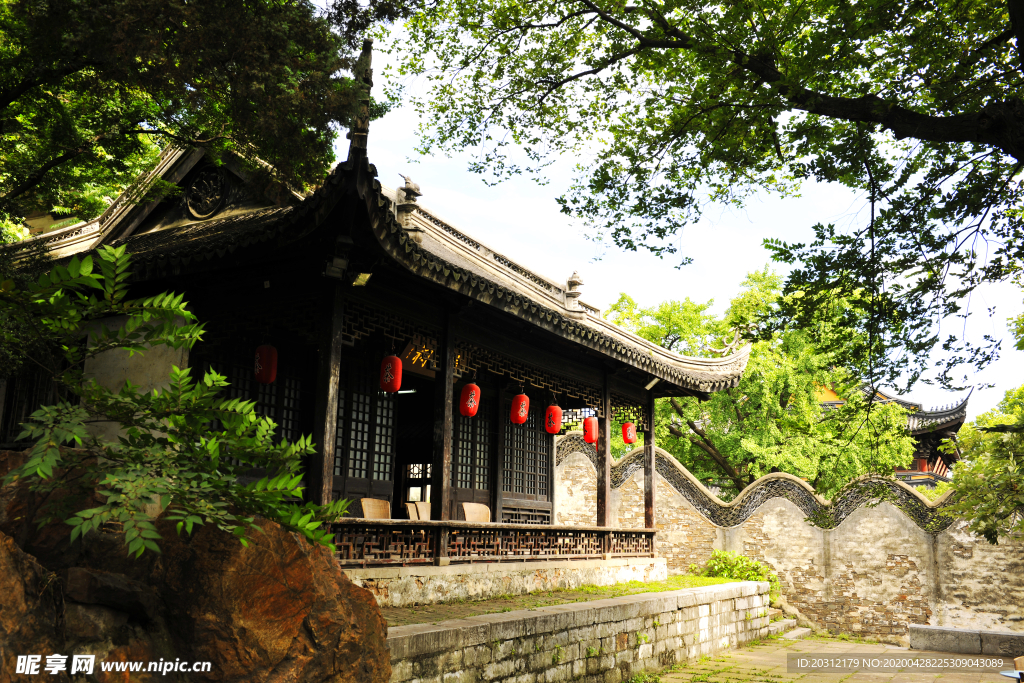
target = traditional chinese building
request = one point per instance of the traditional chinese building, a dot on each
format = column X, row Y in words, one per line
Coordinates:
column 352, row 273
column 929, row 428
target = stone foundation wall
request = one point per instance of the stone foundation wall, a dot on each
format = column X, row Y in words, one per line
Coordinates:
column 605, row 641
column 875, row 573
column 424, row 585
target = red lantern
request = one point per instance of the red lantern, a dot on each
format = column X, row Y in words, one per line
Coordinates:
column 469, row 401
column 629, row 432
column 553, row 420
column 590, row 430
column 520, row 409
column 266, row 364
column 391, row 374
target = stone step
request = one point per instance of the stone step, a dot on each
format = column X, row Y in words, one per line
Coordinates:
column 966, row 641
column 781, row 626
column 797, row 633
column 772, row 613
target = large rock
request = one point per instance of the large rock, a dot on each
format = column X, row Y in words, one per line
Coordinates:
column 115, row 591
column 29, row 599
column 279, row 610
column 20, row 510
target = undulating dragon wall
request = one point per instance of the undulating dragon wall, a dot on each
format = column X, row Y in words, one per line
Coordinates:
column 852, row 565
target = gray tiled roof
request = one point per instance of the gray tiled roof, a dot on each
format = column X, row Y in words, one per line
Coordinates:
column 435, row 250
column 921, row 421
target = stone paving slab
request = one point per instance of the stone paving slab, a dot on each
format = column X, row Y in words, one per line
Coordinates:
column 766, row 663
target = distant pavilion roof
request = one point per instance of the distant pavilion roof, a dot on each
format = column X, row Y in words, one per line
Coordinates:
column 922, row 421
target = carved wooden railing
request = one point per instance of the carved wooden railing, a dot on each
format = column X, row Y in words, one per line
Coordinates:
column 378, row 542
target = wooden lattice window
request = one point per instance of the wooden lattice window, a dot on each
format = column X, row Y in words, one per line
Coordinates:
column 365, row 442
column 384, row 437
column 473, row 443
column 280, row 400
column 20, row 396
column 527, row 451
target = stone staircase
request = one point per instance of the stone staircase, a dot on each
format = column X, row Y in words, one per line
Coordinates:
column 778, row 626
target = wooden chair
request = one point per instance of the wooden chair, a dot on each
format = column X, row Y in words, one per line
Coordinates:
column 375, row 509
column 476, row 512
column 411, row 509
column 423, row 509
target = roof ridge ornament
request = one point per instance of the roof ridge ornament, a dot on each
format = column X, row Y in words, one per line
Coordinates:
column 405, row 204
column 731, row 346
column 363, row 75
column 572, row 291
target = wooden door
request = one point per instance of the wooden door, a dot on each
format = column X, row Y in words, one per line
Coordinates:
column 526, row 470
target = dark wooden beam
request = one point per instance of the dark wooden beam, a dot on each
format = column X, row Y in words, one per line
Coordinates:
column 509, row 340
column 604, row 456
column 650, row 481
column 326, row 411
column 441, row 470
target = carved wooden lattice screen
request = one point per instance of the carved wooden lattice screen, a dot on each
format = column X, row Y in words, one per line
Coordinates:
column 280, row 400
column 25, row 393
column 526, row 454
column 364, row 447
column 473, row 446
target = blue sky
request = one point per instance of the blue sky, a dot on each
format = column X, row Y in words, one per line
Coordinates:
column 521, row 219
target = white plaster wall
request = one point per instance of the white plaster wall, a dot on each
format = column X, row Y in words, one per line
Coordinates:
column 576, row 491
column 873, row 575
column 148, row 371
column 979, row 585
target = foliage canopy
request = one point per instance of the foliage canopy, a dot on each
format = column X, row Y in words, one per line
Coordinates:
column 89, row 90
column 673, row 104
column 774, row 421
column 989, row 480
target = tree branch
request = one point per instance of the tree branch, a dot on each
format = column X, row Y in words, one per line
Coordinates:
column 555, row 85
column 36, row 176
column 997, row 124
column 1016, row 8
column 38, row 77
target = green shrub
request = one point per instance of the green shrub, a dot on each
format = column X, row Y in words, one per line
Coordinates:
column 730, row 565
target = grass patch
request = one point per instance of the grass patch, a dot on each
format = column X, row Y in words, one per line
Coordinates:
column 645, row 677
column 828, row 636
column 672, row 583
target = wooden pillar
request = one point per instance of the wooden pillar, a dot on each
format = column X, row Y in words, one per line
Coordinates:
column 326, row 411
column 604, row 457
column 441, row 470
column 650, row 481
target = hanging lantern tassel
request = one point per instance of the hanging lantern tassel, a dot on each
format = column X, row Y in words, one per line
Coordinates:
column 553, row 419
column 391, row 374
column 629, row 432
column 590, row 430
column 266, row 364
column 469, row 400
column 520, row 409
